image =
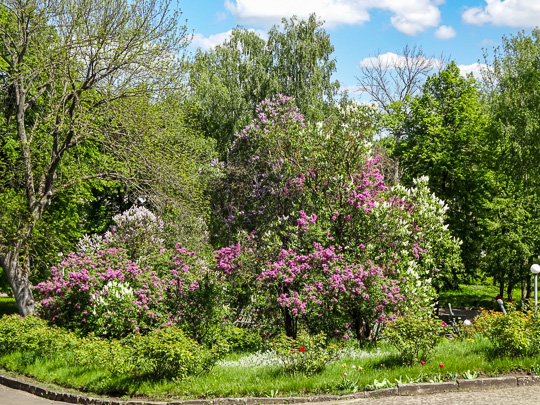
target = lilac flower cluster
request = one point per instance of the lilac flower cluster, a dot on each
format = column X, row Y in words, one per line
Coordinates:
column 329, row 236
column 111, row 295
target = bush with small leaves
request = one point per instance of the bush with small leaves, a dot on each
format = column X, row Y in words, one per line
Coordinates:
column 307, row 354
column 415, row 335
column 166, row 353
column 515, row 334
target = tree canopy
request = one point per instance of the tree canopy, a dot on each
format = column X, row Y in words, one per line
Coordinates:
column 229, row 81
column 79, row 80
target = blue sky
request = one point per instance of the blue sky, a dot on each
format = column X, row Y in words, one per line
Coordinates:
column 459, row 29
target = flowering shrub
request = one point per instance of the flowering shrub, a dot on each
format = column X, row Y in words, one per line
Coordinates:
column 314, row 229
column 307, row 354
column 415, row 336
column 137, row 230
column 111, row 295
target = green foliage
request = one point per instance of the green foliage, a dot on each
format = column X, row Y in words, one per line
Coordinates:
column 308, row 354
column 302, row 65
column 443, row 137
column 7, row 306
column 511, row 223
column 241, row 339
column 415, row 336
column 472, row 296
column 228, row 81
column 33, row 335
column 515, row 334
column 125, row 129
column 167, row 353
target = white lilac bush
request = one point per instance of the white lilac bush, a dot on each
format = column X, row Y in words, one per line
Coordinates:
column 326, row 245
column 138, row 230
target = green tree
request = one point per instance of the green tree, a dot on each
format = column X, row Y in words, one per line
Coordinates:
column 302, row 65
column 74, row 73
column 444, row 136
column 513, row 98
column 229, row 81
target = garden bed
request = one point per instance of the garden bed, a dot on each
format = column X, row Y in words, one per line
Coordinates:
column 253, row 375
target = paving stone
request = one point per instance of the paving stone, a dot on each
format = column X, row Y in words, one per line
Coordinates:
column 356, row 395
column 487, row 383
column 297, row 400
column 229, row 401
column 325, row 398
column 528, row 380
column 385, row 392
column 427, row 388
column 265, row 400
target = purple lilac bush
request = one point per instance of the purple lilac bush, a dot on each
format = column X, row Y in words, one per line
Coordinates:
column 328, row 246
column 111, row 295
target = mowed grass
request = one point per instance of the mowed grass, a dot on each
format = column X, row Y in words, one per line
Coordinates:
column 456, row 358
column 474, row 296
column 7, row 306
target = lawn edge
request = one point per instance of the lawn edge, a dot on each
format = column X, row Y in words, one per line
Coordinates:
column 476, row 384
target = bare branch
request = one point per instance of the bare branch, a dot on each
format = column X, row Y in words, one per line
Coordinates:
column 391, row 77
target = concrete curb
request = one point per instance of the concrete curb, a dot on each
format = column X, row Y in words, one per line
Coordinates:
column 476, row 384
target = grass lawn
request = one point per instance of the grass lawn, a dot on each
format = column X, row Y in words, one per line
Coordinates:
column 469, row 295
column 7, row 306
column 259, row 375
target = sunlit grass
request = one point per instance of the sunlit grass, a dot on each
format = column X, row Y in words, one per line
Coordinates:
column 7, row 306
column 455, row 356
column 477, row 296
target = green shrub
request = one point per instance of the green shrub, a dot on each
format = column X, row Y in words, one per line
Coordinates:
column 414, row 336
column 307, row 354
column 167, row 353
column 515, row 334
column 32, row 335
column 242, row 339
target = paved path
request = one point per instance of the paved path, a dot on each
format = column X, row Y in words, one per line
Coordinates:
column 528, row 395
column 9, row 396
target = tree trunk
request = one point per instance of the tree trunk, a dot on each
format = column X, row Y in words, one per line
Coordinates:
column 290, row 323
column 523, row 290
column 396, row 171
column 18, row 280
column 529, row 287
column 501, row 287
column 361, row 328
column 509, row 292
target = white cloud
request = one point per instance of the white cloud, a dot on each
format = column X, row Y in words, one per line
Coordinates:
column 391, row 60
column 445, row 32
column 474, row 68
column 488, row 42
column 354, row 90
column 409, row 16
column 200, row 41
column 512, row 13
